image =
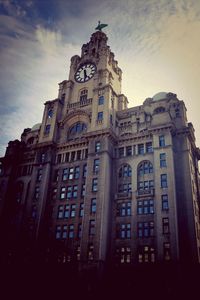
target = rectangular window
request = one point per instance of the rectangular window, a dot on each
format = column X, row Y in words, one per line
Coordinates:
column 61, row 232
column 71, row 173
column 73, row 211
column 66, row 211
column 60, row 211
column 81, row 210
column 141, row 149
column 166, row 251
column 64, row 231
column 67, row 157
column 145, row 229
column 90, row 252
column 163, row 179
column 58, row 232
column 97, row 146
column 79, row 230
column 101, row 100
column 73, row 154
column 165, row 224
column 146, row 254
column 75, row 191
column 78, row 156
column 86, row 153
column 124, row 209
column 71, row 231
column 95, row 185
column 124, row 231
column 69, row 192
column 165, row 203
column 47, row 129
column 39, row 175
column 92, row 227
column 54, row 193
column 124, row 255
column 149, row 147
column 37, row 192
column 84, row 171
column 161, row 141
column 121, row 152
column 72, row 191
column 42, row 158
column 62, row 193
column 93, row 206
column 163, row 163
column 128, row 150
column 100, row 116
column 65, row 174
column 83, row 190
column 145, row 207
column 96, row 166
column 83, row 95
column 76, row 172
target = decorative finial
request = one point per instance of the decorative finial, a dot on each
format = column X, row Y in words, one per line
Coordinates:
column 100, row 26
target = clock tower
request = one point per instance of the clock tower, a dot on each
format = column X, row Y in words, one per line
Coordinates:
column 97, row 182
column 95, row 75
column 83, row 119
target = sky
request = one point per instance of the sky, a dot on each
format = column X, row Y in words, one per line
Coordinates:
column 156, row 44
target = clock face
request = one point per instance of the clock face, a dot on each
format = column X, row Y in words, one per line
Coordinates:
column 85, row 72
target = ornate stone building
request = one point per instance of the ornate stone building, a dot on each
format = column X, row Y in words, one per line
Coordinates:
column 97, row 182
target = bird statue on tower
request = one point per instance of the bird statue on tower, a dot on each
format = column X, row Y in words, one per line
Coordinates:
column 100, row 26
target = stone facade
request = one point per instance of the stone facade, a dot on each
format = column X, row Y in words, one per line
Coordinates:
column 97, row 182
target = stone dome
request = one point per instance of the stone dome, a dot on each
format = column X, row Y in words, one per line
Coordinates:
column 160, row 96
column 36, row 127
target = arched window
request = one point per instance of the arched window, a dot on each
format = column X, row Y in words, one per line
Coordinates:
column 158, row 110
column 77, row 129
column 145, row 167
column 125, row 171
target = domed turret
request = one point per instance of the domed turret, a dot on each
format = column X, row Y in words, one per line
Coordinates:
column 160, row 96
column 36, row 127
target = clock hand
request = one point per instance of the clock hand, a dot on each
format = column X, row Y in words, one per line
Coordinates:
column 85, row 73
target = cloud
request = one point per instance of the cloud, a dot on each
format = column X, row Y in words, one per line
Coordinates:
column 32, row 64
column 12, row 8
column 155, row 43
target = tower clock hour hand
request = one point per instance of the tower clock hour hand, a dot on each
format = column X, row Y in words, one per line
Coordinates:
column 85, row 73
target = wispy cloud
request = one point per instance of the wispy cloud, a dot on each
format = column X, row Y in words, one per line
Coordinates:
column 32, row 64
